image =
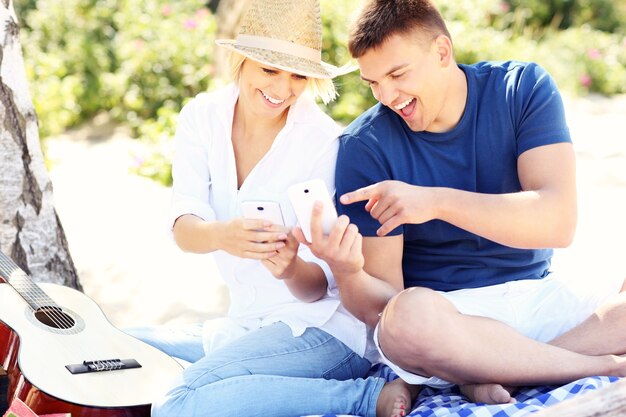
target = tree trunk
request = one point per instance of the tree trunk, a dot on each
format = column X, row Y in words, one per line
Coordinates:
column 229, row 15
column 30, row 230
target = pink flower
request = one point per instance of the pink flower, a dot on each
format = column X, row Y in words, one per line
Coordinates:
column 594, row 53
column 139, row 44
column 202, row 13
column 166, row 10
column 585, row 80
column 190, row 24
column 504, row 7
column 137, row 161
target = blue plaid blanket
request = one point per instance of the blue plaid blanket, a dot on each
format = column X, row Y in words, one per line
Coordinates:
column 450, row 403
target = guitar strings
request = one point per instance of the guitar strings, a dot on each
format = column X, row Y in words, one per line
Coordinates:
column 41, row 302
column 34, row 295
column 38, row 300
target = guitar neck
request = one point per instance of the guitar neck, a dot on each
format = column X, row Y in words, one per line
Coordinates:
column 23, row 284
column 7, row 266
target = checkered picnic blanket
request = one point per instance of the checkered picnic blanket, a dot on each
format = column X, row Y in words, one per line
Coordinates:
column 450, row 403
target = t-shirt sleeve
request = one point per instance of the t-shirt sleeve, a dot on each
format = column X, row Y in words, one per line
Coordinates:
column 190, row 170
column 539, row 112
column 359, row 166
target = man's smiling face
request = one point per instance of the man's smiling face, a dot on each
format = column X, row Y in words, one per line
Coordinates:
column 407, row 74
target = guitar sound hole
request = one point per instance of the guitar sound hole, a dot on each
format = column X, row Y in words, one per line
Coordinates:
column 54, row 317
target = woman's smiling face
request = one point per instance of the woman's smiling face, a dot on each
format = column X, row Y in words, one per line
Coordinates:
column 267, row 91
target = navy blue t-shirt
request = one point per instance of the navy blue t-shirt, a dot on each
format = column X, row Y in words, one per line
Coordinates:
column 511, row 107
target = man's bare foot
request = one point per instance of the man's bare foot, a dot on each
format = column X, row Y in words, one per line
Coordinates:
column 488, row 393
column 396, row 399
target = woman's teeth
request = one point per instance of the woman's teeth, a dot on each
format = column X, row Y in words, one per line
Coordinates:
column 271, row 99
column 403, row 104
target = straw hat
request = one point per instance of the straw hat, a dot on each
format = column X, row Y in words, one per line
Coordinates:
column 285, row 34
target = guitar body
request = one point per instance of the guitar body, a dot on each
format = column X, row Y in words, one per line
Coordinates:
column 36, row 347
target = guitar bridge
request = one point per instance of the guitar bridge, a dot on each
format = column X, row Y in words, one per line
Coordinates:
column 102, row 366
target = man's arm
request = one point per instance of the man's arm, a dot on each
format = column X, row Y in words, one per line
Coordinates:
column 368, row 271
column 366, row 294
column 542, row 215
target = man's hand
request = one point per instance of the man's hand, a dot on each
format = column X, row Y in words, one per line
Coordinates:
column 394, row 203
column 364, row 295
column 341, row 250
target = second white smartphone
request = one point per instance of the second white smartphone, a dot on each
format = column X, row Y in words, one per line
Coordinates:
column 263, row 210
column 302, row 197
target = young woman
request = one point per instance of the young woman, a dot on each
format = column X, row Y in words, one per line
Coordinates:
column 287, row 347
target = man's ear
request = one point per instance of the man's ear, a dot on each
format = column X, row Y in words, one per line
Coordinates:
column 444, row 48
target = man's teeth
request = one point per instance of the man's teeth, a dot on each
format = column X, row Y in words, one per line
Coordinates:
column 403, row 104
column 272, row 100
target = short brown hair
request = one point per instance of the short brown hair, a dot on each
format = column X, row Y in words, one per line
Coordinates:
column 380, row 19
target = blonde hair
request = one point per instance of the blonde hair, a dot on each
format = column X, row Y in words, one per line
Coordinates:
column 318, row 87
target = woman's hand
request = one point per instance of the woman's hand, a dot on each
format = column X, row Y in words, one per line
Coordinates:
column 305, row 280
column 251, row 238
column 283, row 263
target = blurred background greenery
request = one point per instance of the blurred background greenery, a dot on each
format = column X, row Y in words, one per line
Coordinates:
column 141, row 60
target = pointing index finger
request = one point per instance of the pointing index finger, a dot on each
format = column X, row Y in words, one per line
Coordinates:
column 361, row 194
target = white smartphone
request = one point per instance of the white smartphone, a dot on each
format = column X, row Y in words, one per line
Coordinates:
column 302, row 197
column 263, row 210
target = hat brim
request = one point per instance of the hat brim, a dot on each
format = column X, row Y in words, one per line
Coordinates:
column 286, row 62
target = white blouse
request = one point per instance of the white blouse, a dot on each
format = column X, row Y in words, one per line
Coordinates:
column 205, row 184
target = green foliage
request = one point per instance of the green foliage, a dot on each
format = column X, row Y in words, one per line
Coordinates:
column 165, row 58
column 164, row 52
column 581, row 59
column 128, row 57
column 66, row 51
column 597, row 64
column 354, row 95
column 137, row 59
column 604, row 15
column 155, row 159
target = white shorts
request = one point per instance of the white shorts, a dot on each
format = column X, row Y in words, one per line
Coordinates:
column 541, row 309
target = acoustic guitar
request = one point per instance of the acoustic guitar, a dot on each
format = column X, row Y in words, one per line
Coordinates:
column 63, row 356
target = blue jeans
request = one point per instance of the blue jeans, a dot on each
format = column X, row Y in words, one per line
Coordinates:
column 184, row 342
column 268, row 372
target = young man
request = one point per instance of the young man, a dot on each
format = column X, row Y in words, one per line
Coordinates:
column 468, row 174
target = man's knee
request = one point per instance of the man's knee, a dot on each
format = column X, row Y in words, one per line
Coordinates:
column 410, row 325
